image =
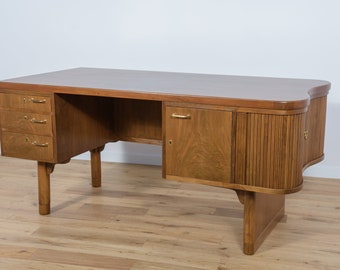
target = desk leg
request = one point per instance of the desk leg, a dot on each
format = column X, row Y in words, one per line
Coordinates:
column 44, row 171
column 96, row 171
column 261, row 213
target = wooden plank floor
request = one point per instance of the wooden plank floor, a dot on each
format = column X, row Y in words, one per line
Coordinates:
column 137, row 220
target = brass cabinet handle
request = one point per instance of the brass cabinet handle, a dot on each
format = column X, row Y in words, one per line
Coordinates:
column 40, row 144
column 181, row 116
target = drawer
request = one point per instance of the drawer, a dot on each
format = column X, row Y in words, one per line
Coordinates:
column 33, row 103
column 39, row 124
column 27, row 146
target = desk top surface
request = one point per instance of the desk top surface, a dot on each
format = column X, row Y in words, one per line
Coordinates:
column 257, row 92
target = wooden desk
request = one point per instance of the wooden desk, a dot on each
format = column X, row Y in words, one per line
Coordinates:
column 253, row 135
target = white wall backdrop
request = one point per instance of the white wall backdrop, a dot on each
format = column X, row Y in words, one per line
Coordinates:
column 291, row 38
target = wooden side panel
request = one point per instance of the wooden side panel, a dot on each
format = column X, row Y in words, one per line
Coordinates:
column 198, row 147
column 241, row 148
column 315, row 128
column 274, row 151
column 261, row 214
column 83, row 123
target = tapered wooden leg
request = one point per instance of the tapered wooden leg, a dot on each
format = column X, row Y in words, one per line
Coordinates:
column 44, row 171
column 261, row 213
column 96, row 171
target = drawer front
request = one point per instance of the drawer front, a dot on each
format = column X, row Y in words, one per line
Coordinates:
column 27, row 146
column 39, row 124
column 39, row 104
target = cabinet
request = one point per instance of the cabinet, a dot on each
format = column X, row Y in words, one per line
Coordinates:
column 269, row 151
column 198, row 143
column 27, row 126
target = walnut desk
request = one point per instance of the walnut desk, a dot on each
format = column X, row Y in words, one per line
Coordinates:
column 250, row 134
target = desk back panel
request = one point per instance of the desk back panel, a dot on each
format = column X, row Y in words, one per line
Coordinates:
column 138, row 120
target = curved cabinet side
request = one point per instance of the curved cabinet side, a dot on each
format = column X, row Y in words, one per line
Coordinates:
column 270, row 151
column 273, row 150
column 315, row 131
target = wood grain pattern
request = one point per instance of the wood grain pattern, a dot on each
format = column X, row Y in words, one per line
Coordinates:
column 275, row 151
column 26, row 122
column 138, row 120
column 96, row 172
column 44, row 187
column 262, row 212
column 27, row 126
column 145, row 222
column 198, row 147
column 315, row 128
column 241, row 135
column 83, row 123
column 25, row 145
column 26, row 102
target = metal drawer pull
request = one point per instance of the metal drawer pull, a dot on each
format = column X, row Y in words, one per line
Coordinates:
column 181, row 116
column 36, row 121
column 40, row 144
column 38, row 100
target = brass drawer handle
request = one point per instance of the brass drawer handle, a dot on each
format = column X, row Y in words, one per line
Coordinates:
column 36, row 121
column 40, row 144
column 35, row 143
column 35, row 100
column 38, row 100
column 181, row 116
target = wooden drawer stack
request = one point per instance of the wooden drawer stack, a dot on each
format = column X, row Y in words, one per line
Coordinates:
column 27, row 126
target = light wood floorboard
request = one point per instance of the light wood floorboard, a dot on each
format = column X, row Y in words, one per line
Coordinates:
column 137, row 220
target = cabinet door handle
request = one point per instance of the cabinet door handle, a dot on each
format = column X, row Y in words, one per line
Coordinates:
column 181, row 116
